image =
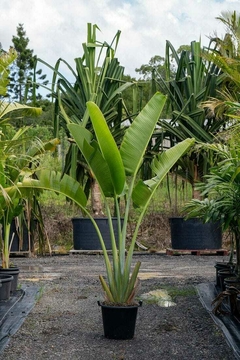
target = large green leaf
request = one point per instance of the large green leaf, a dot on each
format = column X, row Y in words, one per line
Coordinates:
column 53, row 181
column 7, row 108
column 138, row 135
column 161, row 166
column 94, row 158
column 108, row 147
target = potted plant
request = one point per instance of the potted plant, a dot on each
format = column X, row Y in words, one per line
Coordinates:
column 116, row 171
column 9, row 172
column 221, row 193
column 196, row 80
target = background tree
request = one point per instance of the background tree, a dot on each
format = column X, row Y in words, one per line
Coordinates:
column 24, row 78
column 196, row 81
column 98, row 77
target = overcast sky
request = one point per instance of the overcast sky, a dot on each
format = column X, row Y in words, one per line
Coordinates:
column 57, row 28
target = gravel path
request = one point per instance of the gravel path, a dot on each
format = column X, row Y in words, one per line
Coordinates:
column 66, row 322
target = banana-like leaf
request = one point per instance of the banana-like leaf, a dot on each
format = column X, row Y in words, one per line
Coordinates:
column 50, row 180
column 7, row 108
column 161, row 166
column 138, row 135
column 94, row 158
column 108, row 147
column 6, row 59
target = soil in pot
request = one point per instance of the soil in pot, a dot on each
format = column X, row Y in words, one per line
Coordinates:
column 119, row 321
column 6, row 286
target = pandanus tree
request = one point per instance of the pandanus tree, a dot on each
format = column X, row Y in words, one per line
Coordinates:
column 196, row 80
column 98, row 77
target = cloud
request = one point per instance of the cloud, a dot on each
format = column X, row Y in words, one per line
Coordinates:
column 57, row 28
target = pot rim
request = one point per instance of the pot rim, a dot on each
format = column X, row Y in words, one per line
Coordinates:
column 111, row 305
column 5, row 278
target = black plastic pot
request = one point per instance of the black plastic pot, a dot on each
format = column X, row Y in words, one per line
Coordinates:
column 192, row 234
column 223, row 274
column 22, row 244
column 231, row 284
column 6, row 286
column 85, row 236
column 238, row 305
column 221, row 266
column 119, row 321
column 14, row 272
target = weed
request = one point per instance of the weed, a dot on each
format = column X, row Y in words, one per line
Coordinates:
column 39, row 294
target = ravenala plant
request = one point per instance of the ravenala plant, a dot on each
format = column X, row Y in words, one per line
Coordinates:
column 116, row 171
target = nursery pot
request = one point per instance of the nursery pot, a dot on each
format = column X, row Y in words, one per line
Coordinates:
column 221, row 266
column 232, row 297
column 18, row 244
column 85, row 236
column 14, row 272
column 238, row 304
column 119, row 321
column 223, row 274
column 192, row 234
column 5, row 281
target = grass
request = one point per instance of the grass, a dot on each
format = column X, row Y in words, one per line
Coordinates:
column 175, row 292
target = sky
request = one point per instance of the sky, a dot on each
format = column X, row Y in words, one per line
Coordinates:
column 57, row 28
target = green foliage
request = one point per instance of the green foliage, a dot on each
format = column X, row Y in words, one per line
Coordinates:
column 6, row 59
column 221, row 193
column 98, row 77
column 196, row 80
column 117, row 179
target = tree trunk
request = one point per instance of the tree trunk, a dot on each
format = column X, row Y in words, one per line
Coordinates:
column 96, row 199
column 196, row 193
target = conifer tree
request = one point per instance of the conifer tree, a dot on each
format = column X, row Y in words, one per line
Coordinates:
column 24, row 77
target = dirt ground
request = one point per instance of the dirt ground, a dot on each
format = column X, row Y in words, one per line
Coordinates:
column 66, row 321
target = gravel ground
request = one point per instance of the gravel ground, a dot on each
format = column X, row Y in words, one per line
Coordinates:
column 66, row 322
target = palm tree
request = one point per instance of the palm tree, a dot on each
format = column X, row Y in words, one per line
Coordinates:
column 221, row 192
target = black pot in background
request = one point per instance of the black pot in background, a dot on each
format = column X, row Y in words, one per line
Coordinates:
column 5, row 289
column 23, row 243
column 14, row 272
column 119, row 321
column 192, row 234
column 17, row 245
column 223, row 274
column 221, row 266
column 231, row 284
column 85, row 236
column 238, row 305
